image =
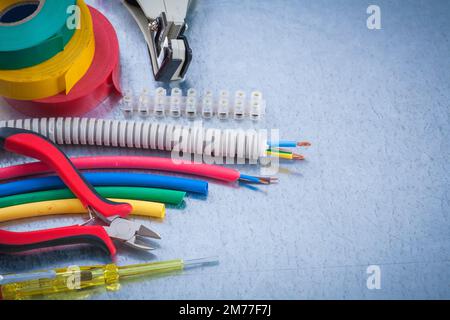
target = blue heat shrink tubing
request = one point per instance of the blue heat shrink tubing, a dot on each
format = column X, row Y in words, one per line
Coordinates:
column 107, row 179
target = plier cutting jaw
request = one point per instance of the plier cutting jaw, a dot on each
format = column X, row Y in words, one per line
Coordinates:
column 112, row 214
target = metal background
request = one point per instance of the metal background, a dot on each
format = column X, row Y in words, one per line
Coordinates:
column 375, row 189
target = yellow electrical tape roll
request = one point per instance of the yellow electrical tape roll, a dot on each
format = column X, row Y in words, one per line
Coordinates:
column 74, row 206
column 60, row 73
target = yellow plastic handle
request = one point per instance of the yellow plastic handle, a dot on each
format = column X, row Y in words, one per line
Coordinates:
column 74, row 206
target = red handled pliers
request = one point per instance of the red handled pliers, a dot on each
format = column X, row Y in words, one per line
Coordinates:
column 31, row 144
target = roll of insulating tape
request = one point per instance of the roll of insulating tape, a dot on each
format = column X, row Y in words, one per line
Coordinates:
column 101, row 80
column 32, row 32
column 58, row 74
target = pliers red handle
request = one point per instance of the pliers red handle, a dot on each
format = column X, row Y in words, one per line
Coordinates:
column 33, row 145
column 128, row 232
column 15, row 242
column 36, row 146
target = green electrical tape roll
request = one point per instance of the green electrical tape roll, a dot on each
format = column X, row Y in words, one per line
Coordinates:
column 133, row 193
column 38, row 37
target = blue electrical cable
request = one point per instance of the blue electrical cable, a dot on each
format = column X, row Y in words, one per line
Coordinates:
column 107, row 179
column 249, row 178
column 283, row 144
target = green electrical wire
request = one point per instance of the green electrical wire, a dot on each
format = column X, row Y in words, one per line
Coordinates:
column 134, row 193
column 279, row 151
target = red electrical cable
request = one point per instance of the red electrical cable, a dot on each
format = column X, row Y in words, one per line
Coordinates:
column 126, row 162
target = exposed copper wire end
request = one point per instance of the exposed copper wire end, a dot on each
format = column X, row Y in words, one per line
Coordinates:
column 260, row 180
column 303, row 144
column 268, row 180
column 297, row 157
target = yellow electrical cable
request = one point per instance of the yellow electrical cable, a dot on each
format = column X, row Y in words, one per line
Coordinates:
column 280, row 155
column 74, row 206
column 60, row 73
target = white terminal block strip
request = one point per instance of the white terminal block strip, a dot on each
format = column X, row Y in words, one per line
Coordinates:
column 237, row 106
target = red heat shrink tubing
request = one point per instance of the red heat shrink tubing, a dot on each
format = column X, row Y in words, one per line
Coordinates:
column 127, row 162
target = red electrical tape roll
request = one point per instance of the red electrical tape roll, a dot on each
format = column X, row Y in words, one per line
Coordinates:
column 101, row 80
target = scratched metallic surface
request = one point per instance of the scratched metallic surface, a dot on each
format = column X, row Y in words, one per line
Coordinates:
column 375, row 189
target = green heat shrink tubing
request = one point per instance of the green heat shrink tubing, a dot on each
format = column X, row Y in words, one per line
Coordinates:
column 134, row 193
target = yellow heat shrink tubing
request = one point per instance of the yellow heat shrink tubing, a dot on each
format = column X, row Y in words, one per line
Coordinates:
column 58, row 74
column 74, row 206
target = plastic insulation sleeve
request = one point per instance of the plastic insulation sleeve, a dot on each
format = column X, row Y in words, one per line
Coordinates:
column 107, row 179
column 127, row 162
column 101, row 80
column 31, row 41
column 208, row 142
column 74, row 206
column 283, row 144
column 58, row 74
column 144, row 194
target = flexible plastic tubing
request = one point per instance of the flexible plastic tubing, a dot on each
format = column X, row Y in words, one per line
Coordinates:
column 100, row 81
column 74, row 206
column 134, row 193
column 34, row 39
column 107, row 179
column 208, row 142
column 127, row 162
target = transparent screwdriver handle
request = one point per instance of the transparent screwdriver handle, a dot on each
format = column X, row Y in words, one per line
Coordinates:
column 23, row 286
